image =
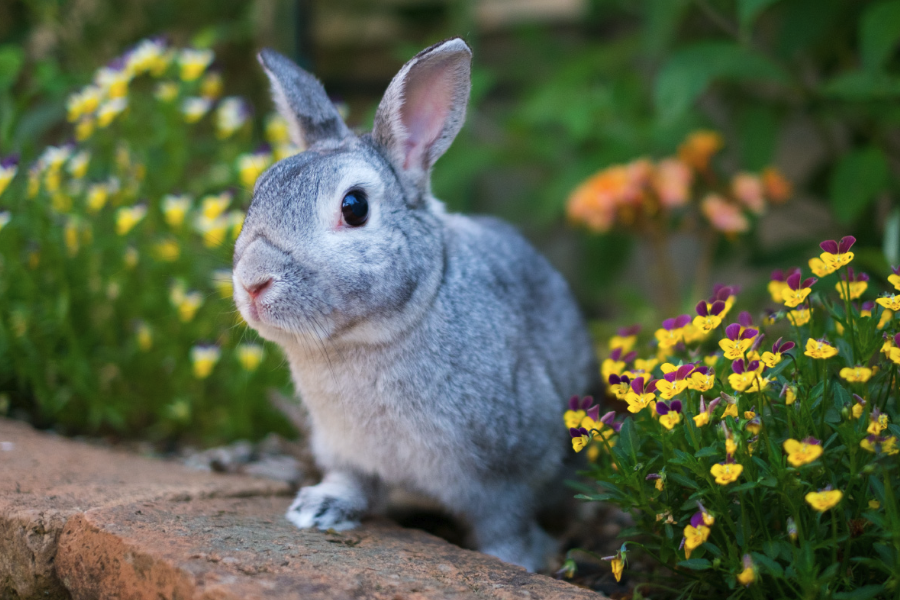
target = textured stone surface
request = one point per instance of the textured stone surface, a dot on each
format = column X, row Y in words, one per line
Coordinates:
column 46, row 479
column 91, row 523
column 244, row 548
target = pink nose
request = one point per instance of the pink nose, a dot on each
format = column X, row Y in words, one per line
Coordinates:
column 258, row 288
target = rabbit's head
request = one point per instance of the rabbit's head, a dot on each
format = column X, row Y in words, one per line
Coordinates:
column 344, row 239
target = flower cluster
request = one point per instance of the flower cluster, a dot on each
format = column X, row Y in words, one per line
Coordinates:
column 786, row 449
column 646, row 190
column 121, row 227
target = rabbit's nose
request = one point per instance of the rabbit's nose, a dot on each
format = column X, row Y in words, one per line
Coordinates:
column 258, row 288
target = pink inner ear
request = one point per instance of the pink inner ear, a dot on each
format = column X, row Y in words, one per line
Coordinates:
column 427, row 97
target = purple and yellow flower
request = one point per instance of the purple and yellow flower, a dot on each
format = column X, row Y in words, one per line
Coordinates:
column 802, row 452
column 669, row 413
column 674, row 381
column 702, row 379
column 880, row 445
column 709, row 316
column 878, row 422
column 855, row 283
column 231, row 115
column 891, row 302
column 858, row 407
column 770, row 359
column 702, row 418
column 824, row 499
column 619, row 385
column 641, row 395
column 748, row 575
column 737, row 342
column 819, row 349
column 625, row 338
column 660, row 484
column 797, row 291
column 251, row 166
column 193, row 62
column 778, row 284
column 203, row 359
column 617, row 563
column 894, row 277
column 579, row 408
column 790, row 394
column 799, row 317
column 672, row 331
column 8, row 167
column 194, row 107
column 837, row 254
column 129, row 216
column 580, row 438
column 694, row 537
column 615, row 364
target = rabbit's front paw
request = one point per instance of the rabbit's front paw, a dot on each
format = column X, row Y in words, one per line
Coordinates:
column 327, row 506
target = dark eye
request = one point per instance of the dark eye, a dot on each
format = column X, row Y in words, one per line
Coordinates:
column 355, row 208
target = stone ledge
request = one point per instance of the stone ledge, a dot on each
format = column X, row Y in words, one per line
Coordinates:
column 85, row 522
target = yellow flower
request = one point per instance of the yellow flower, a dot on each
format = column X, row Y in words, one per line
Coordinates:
column 799, row 317
column 78, row 164
column 166, row 91
column 109, row 110
column 579, row 442
column 790, row 395
column 148, row 57
column 203, row 359
column 794, row 297
column 188, row 305
column 701, row 419
column 759, row 384
column 70, row 235
column 777, row 289
column 646, row 365
column 7, row 172
column 167, row 250
column 895, row 280
column 700, row 382
column 175, row 208
column 802, row 453
column 878, row 424
column 611, row 367
column 856, row 288
column 250, row 355
column 886, row 445
column 636, row 402
column 625, row 342
column 660, row 484
column 231, row 115
column 235, row 219
column 694, row 537
column 669, row 389
column 251, row 166
column 819, row 349
column 128, row 217
column 573, row 418
column 856, row 374
column 84, row 128
column 730, row 410
column 83, row 102
column 819, row 268
column 222, row 281
column 711, row 360
column 730, row 446
column 5, row 217
column 618, row 565
column 824, row 500
column 212, row 230
column 891, row 302
column 194, row 62
column 874, row 504
column 670, row 419
column 726, row 473
column 97, row 195
column 741, row 381
column 886, row 317
column 277, row 132
column 144, row 336
column 734, row 349
column 194, row 108
column 113, row 83
column 213, row 206
column 211, row 85
column 747, row 576
column 857, row 410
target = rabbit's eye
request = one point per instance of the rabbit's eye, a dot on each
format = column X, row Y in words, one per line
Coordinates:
column 355, row 208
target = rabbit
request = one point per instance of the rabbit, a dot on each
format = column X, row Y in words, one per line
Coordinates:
column 433, row 351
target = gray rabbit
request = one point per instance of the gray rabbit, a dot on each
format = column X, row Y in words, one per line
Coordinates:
column 433, row 351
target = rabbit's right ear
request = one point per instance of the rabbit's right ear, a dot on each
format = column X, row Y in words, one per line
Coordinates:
column 424, row 108
column 302, row 101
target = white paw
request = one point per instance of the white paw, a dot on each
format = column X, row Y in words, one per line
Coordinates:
column 323, row 507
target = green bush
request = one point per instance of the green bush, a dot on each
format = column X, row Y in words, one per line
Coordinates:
column 115, row 293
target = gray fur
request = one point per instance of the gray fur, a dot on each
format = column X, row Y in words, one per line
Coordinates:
column 433, row 351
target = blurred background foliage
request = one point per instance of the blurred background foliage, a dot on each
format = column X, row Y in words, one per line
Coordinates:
column 561, row 89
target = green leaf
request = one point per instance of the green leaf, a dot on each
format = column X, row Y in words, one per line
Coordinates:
column 879, row 32
column 713, row 549
column 627, row 446
column 696, row 564
column 855, row 181
column 863, row 593
column 748, row 10
column 690, row 71
column 842, row 397
column 11, row 59
column 683, row 480
column 877, row 488
column 862, row 85
column 710, row 450
column 745, row 486
column 770, row 565
column 771, row 548
column 758, row 132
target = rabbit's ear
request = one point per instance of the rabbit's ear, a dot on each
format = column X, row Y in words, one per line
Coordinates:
column 302, row 101
column 424, row 108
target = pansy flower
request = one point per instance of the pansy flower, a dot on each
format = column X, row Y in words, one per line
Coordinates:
column 894, row 277
column 615, row 364
column 799, row 317
column 748, row 575
column 672, row 331
column 129, row 216
column 790, row 394
column 231, row 115
column 880, row 445
column 802, row 452
column 251, row 165
column 694, row 537
column 819, row 349
column 778, row 284
column 856, row 374
column 625, row 338
column 797, row 291
column 726, row 472
column 818, row 267
column 646, row 365
column 824, row 499
column 193, row 62
column 702, row 379
column 891, row 302
column 660, row 484
column 674, row 381
column 744, row 374
column 580, row 438
column 8, row 167
column 579, row 409
column 854, row 283
column 619, row 385
column 669, row 413
column 641, row 394
column 837, row 254
column 754, row 424
column 203, row 359
column 709, row 316
column 617, row 563
column 774, row 357
column 737, row 342
column 858, row 407
column 878, row 422
column 702, row 418
column 726, row 294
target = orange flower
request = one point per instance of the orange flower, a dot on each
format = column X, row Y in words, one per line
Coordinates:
column 698, row 148
column 671, row 181
column 724, row 216
column 778, row 188
column 594, row 202
column 748, row 190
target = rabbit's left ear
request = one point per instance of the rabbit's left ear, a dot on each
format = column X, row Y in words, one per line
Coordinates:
column 302, row 101
column 424, row 108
